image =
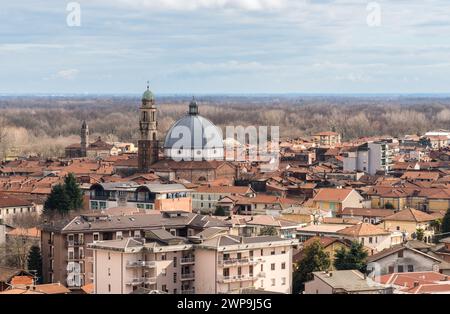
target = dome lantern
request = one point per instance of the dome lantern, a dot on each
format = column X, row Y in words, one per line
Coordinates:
column 193, row 108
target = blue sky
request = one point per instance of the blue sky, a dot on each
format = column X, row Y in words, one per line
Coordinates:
column 225, row 46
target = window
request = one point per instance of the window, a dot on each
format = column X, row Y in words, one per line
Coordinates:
column 109, row 288
column 175, row 291
column 398, row 228
column 137, row 233
column 273, row 282
column 272, row 252
column 164, row 288
column 370, row 239
column 163, row 257
column 391, row 269
column 96, row 236
column 400, row 268
column 283, row 265
column 174, row 277
column 410, row 268
column 163, row 272
column 283, row 281
column 109, row 256
column 174, row 261
column 400, row 253
column 262, row 252
column 262, row 283
column 262, row 267
column 109, row 272
column 226, row 272
column 119, row 235
column 272, row 266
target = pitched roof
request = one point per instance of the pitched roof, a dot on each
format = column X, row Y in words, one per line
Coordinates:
column 332, row 195
column 410, row 214
column 362, row 230
column 11, row 201
column 348, row 280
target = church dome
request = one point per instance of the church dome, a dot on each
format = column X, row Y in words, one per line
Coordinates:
column 194, row 137
column 148, row 95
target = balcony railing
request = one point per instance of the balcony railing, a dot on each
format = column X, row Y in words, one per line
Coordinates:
column 74, row 242
column 188, row 291
column 237, row 278
column 238, row 261
column 135, row 281
column 141, row 280
column 187, row 260
column 187, row 276
column 149, row 264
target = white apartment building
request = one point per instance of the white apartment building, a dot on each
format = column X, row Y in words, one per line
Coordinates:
column 210, row 262
column 227, row 264
column 165, row 264
column 370, row 157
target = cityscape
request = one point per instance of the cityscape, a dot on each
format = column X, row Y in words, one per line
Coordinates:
column 193, row 158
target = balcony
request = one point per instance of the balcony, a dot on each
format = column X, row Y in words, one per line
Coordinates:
column 237, row 278
column 188, row 276
column 141, row 280
column 135, row 281
column 148, row 264
column 188, row 291
column 75, row 257
column 187, row 260
column 236, row 261
column 74, row 243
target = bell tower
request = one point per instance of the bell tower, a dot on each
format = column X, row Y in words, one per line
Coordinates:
column 148, row 144
column 84, row 139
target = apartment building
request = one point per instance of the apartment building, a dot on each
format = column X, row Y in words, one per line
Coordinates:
column 210, row 262
column 327, row 138
column 64, row 243
column 165, row 263
column 370, row 157
column 142, row 196
column 205, row 198
column 226, row 264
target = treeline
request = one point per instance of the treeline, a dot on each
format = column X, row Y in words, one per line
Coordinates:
column 57, row 120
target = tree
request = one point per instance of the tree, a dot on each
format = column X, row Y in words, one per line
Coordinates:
column 74, row 192
column 388, row 206
column 57, row 202
column 268, row 231
column 419, row 234
column 353, row 258
column 220, row 211
column 64, row 197
column 314, row 259
column 35, row 262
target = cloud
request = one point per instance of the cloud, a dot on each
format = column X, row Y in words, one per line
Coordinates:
column 68, row 74
column 192, row 5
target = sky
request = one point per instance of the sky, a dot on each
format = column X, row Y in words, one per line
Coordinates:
column 225, row 46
